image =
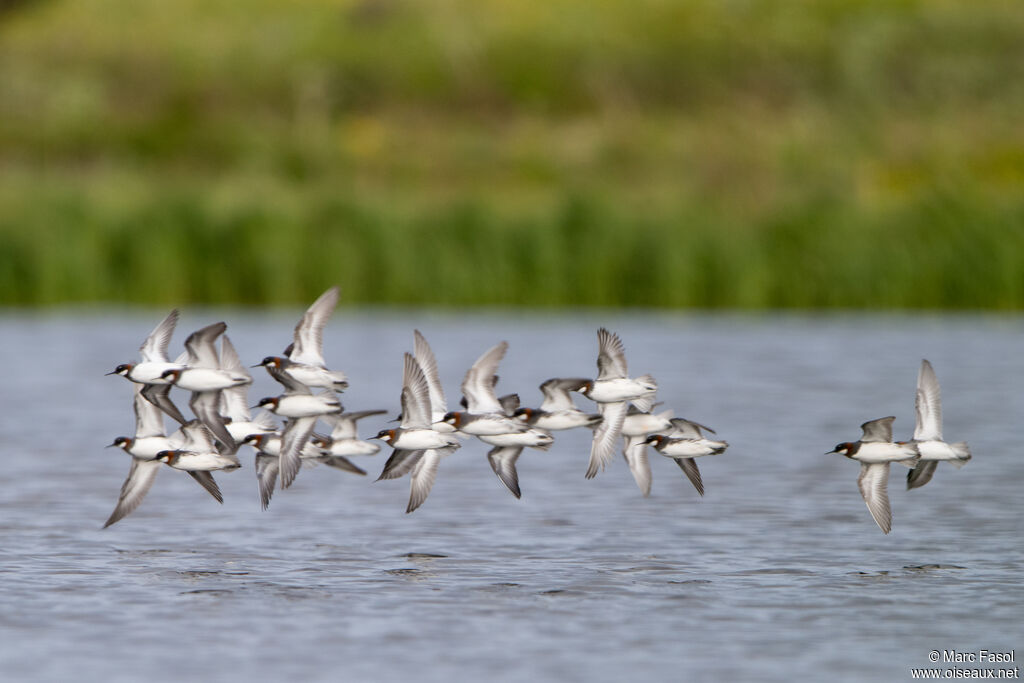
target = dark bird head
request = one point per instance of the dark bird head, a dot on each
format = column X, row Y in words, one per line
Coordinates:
column 124, row 442
column 168, row 456
column 524, row 414
column 845, row 448
column 122, row 369
column 386, row 435
column 270, row 403
column 254, row 440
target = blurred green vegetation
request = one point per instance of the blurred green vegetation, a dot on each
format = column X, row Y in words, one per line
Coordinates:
column 698, row 153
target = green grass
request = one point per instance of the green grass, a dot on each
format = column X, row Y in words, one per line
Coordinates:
column 700, row 153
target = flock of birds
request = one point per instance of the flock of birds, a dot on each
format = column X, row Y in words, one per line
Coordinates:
column 427, row 431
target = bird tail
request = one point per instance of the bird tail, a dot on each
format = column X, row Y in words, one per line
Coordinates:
column 911, row 462
column 963, row 454
column 648, row 380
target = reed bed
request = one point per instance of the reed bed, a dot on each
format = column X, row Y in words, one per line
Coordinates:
column 699, row 153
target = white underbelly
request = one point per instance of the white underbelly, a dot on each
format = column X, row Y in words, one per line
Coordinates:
column 306, row 405
column 620, row 389
column 936, row 450
column 878, row 452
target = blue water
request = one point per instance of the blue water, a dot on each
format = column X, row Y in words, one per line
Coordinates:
column 778, row 573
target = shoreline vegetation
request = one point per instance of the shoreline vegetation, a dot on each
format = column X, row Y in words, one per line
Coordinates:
column 802, row 154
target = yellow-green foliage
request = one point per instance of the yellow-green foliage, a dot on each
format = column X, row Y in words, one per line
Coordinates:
column 709, row 153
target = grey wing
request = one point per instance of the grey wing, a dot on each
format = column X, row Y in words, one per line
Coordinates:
column 692, row 472
column 199, row 345
column 234, row 403
column 425, row 357
column 415, row 396
column 400, row 463
column 635, row 453
column 928, row 405
column 160, row 396
column 509, row 404
column 229, row 359
column 154, row 348
column 922, row 474
column 149, row 421
column 309, row 332
column 422, row 479
column 342, row 426
column 879, row 430
column 197, row 437
column 606, row 436
column 357, row 415
column 478, row 384
column 134, row 489
column 503, row 462
column 267, row 467
column 873, row 483
column 234, row 400
column 206, row 480
column 611, row 355
column 293, row 440
column 265, row 420
column 556, row 393
column 688, row 429
column 342, row 463
column 290, row 384
column 206, row 406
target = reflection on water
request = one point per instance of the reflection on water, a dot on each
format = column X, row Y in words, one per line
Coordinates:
column 778, row 572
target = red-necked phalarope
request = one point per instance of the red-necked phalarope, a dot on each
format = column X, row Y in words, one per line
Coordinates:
column 928, row 431
column 303, row 360
column 612, row 390
column 875, row 451
column 150, row 371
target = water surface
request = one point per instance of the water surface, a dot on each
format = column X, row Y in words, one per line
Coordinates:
column 777, row 573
